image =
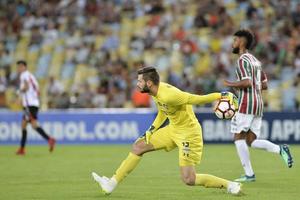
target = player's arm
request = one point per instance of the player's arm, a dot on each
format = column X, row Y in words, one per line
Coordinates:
column 24, row 86
column 203, row 99
column 177, row 97
column 158, row 121
column 209, row 98
column 244, row 73
column 238, row 84
column 264, row 81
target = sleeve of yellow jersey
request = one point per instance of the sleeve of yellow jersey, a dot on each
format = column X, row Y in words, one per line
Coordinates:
column 178, row 97
column 159, row 120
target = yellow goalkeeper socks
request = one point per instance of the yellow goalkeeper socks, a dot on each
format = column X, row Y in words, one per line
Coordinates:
column 211, row 181
column 127, row 166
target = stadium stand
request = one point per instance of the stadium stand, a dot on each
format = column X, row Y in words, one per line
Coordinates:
column 92, row 48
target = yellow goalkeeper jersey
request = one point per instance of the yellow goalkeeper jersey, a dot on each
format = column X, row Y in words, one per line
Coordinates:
column 176, row 105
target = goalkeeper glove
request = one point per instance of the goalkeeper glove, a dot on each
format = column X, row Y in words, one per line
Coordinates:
column 148, row 134
column 233, row 100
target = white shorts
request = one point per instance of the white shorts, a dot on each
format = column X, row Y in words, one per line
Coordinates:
column 245, row 122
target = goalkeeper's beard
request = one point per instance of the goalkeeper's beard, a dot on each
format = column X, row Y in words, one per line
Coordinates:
column 145, row 89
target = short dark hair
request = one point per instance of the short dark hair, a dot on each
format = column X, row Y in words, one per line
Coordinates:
column 247, row 34
column 149, row 73
column 22, row 62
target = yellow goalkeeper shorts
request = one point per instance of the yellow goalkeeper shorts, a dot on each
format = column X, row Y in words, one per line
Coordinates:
column 189, row 143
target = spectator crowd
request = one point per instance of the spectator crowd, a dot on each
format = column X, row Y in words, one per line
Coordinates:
column 85, row 53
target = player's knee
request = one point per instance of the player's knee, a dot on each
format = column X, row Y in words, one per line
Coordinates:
column 34, row 123
column 34, row 126
column 24, row 126
column 250, row 138
column 249, row 141
column 189, row 180
column 139, row 148
column 240, row 136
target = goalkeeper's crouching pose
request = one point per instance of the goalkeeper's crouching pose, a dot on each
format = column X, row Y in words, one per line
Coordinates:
column 183, row 132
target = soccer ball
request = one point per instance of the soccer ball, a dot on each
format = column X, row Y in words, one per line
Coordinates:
column 224, row 109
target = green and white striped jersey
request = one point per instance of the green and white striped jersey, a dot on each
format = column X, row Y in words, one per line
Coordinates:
column 250, row 99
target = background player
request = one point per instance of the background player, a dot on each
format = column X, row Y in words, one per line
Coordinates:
column 29, row 89
column 246, row 124
column 183, row 131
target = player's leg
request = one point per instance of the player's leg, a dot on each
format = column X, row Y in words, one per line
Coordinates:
column 261, row 144
column 240, row 124
column 190, row 147
column 159, row 140
column 129, row 164
column 189, row 177
column 21, row 150
column 34, row 123
column 253, row 134
column 138, row 149
column 244, row 155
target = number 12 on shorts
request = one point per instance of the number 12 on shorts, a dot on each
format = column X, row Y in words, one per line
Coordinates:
column 186, row 148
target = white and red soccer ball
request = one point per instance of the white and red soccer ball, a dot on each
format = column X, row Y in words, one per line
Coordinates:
column 224, row 109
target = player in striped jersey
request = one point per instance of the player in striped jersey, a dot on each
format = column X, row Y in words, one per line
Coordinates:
column 246, row 124
column 29, row 89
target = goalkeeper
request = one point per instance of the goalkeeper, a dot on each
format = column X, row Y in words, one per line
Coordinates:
column 183, row 132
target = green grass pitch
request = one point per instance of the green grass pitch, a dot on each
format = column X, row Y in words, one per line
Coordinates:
column 66, row 174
